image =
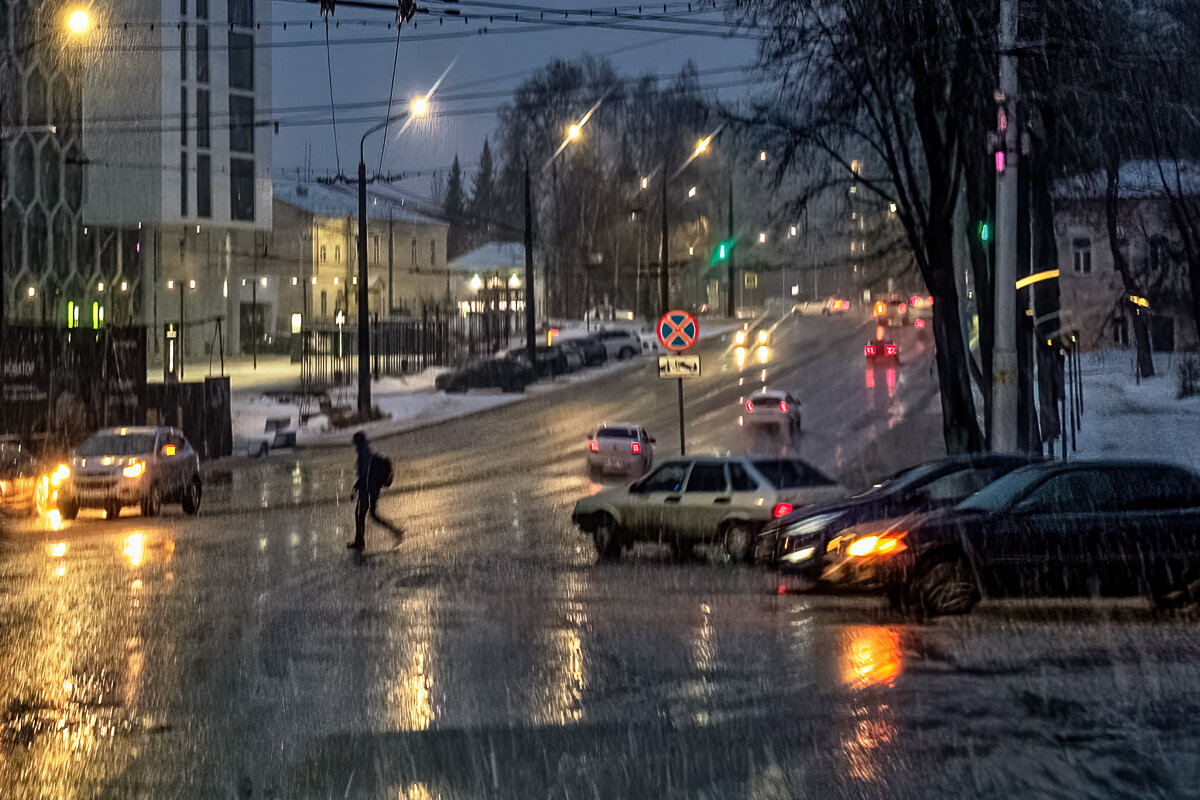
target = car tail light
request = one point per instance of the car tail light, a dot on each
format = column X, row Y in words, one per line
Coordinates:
column 890, row 350
column 781, row 510
column 912, row 301
column 903, row 308
column 635, row 447
column 869, row 349
column 749, row 407
column 782, row 407
column 594, row 446
column 919, row 324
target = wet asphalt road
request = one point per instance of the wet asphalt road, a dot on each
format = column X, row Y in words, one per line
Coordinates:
column 246, row 653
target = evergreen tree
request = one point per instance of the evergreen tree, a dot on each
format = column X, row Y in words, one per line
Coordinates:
column 454, row 204
column 483, row 199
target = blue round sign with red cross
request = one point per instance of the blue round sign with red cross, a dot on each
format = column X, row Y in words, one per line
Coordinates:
column 678, row 330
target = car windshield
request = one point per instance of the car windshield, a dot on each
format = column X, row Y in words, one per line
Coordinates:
column 615, row 433
column 787, row 473
column 904, row 479
column 114, row 444
column 1000, row 494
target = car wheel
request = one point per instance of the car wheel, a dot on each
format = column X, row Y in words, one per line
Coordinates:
column 945, row 585
column 607, row 539
column 112, row 511
column 152, row 504
column 739, row 542
column 68, row 509
column 191, row 496
column 626, row 353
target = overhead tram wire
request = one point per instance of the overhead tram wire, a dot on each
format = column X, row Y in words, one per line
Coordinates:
column 332, row 110
column 391, row 92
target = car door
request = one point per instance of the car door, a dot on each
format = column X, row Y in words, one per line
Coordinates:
column 1157, row 532
column 171, row 461
column 1061, row 529
column 706, row 501
column 654, row 501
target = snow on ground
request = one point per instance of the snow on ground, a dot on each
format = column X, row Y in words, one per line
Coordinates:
column 1126, row 419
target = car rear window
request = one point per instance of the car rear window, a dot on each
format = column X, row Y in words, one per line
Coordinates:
column 615, row 433
column 789, row 473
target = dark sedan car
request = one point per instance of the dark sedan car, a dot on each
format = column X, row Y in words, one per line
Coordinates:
column 798, row 542
column 508, row 375
column 593, row 349
column 1080, row 528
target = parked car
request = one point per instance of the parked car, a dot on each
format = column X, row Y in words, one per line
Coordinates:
column 573, row 354
column 593, row 350
column 689, row 501
column 891, row 311
column 551, row 360
column 620, row 343
column 1106, row 527
column 18, row 479
column 142, row 466
column 798, row 542
column 508, row 375
column 773, row 410
column 620, row 447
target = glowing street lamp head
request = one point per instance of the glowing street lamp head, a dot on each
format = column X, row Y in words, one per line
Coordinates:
column 78, row 22
column 573, row 131
column 419, row 106
column 645, row 183
column 702, row 145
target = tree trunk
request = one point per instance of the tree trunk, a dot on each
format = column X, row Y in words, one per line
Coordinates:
column 979, row 209
column 959, row 423
column 1141, row 332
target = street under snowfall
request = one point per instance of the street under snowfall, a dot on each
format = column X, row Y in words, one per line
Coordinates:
column 246, row 653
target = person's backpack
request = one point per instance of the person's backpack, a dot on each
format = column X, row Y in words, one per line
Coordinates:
column 381, row 471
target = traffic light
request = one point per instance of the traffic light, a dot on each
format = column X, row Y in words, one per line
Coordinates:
column 985, row 232
column 722, row 251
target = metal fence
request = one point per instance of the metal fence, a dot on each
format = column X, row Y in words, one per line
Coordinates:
column 437, row 338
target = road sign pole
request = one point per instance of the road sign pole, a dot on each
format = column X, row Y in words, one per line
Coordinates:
column 682, row 442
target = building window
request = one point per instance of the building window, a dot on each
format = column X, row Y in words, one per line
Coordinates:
column 203, row 186
column 322, row 254
column 241, row 61
column 337, row 253
column 433, row 252
column 183, row 51
column 241, row 189
column 183, row 8
column 183, row 184
column 202, row 118
column 183, row 123
column 750, row 280
column 201, row 53
column 414, row 255
column 202, row 9
column 1082, row 255
column 376, row 243
column 241, row 13
column 241, row 124
column 324, row 303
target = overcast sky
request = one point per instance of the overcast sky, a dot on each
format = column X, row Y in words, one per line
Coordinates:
column 487, row 66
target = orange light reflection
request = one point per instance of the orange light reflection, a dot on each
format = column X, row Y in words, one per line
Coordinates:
column 870, row 655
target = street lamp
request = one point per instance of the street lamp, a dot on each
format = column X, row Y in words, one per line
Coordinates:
column 573, row 131
column 173, row 286
column 418, row 108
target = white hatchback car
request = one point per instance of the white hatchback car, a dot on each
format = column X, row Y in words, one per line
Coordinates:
column 776, row 409
column 622, row 447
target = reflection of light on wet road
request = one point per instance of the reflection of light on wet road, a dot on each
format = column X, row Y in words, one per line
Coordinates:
column 870, row 655
column 740, row 356
column 561, row 675
column 135, row 547
column 891, row 381
column 410, row 694
column 870, row 377
column 764, row 354
column 57, row 549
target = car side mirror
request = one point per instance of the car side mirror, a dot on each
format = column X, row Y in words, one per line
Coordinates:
column 653, row 440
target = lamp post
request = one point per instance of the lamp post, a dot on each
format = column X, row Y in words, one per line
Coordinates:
column 417, row 108
column 77, row 23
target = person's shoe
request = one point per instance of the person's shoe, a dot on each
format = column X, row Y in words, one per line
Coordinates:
column 355, row 545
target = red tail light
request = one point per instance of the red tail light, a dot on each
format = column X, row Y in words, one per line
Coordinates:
column 903, row 308
column 749, row 407
column 920, row 323
column 782, row 407
column 635, row 447
column 890, row 350
column 782, row 510
column 869, row 349
column 594, row 446
column 912, row 301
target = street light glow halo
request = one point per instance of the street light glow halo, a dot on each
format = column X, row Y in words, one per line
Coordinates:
column 419, row 106
column 573, row 131
column 78, row 21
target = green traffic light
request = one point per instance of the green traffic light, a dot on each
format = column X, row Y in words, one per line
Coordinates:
column 985, row 232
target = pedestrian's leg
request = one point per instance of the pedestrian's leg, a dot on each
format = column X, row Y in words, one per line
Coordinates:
column 360, row 521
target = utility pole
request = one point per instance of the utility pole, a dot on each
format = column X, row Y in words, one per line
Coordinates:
column 1004, row 354
column 364, row 297
column 530, row 319
column 664, row 279
column 731, row 310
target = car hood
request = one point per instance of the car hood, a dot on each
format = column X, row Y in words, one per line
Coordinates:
column 601, row 499
column 103, row 463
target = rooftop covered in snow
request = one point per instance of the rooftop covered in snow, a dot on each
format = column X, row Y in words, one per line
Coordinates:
column 341, row 200
column 492, row 256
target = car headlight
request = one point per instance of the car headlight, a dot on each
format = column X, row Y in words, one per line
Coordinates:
column 134, row 470
column 812, row 524
column 803, row 554
column 60, row 474
column 878, row 545
column 739, row 337
column 762, row 337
